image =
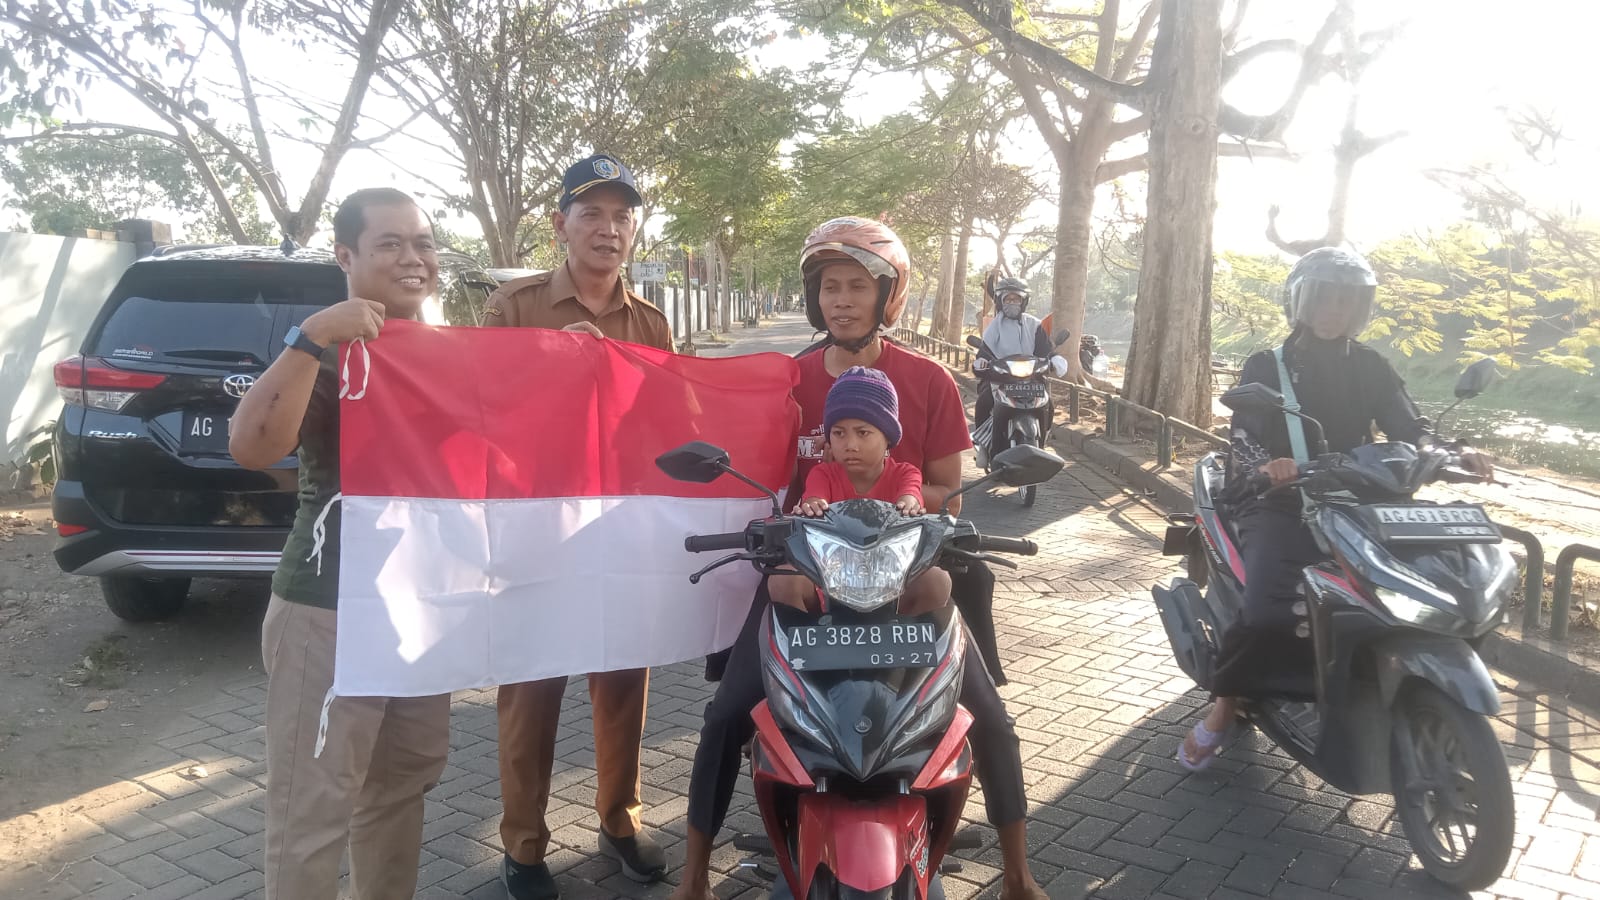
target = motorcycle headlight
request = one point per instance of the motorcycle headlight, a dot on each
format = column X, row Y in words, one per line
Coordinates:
column 1409, row 609
column 1021, row 368
column 864, row 578
column 1369, row 558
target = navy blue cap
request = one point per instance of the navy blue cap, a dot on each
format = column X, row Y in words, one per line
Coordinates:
column 601, row 168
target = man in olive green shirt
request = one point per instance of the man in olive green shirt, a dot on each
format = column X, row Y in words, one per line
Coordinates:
column 340, row 770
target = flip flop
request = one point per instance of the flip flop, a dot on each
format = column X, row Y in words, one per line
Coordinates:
column 1210, row 744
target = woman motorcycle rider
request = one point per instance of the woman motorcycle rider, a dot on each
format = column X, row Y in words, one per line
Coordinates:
column 1346, row 386
column 1012, row 332
column 856, row 274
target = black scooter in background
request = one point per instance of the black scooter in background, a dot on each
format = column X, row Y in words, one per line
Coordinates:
column 1395, row 699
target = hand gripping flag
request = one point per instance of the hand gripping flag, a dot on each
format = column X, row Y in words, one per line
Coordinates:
column 502, row 516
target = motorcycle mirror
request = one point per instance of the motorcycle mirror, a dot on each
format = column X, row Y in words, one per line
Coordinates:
column 1252, row 397
column 1476, row 378
column 1062, row 337
column 1025, row 465
column 703, row 463
column 696, row 461
column 975, row 342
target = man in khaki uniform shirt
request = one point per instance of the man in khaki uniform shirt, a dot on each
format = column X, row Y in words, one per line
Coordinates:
column 597, row 222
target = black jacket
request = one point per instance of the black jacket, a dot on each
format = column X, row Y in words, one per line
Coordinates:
column 1348, row 389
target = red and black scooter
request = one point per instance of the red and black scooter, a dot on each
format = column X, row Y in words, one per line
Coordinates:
column 860, row 758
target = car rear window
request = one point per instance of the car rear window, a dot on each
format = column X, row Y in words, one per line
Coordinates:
column 214, row 320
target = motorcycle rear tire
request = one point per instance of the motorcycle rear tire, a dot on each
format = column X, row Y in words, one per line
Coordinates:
column 1473, row 741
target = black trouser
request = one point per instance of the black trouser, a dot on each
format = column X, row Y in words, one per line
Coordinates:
column 1260, row 655
column 972, row 592
column 728, row 728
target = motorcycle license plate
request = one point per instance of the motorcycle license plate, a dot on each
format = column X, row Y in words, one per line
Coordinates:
column 897, row 643
column 1024, row 390
column 1454, row 522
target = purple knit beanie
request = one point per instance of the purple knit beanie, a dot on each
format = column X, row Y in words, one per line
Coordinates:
column 865, row 394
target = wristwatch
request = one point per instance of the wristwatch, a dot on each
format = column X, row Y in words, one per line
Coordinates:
column 297, row 340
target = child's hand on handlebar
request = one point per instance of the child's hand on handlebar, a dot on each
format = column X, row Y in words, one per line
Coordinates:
column 812, row 507
column 909, row 505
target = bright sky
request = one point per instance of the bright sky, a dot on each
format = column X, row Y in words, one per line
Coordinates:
column 1442, row 80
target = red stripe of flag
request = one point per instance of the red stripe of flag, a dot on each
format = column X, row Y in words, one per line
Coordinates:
column 512, row 413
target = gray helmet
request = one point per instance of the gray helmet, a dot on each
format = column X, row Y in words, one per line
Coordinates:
column 1009, row 286
column 1330, row 275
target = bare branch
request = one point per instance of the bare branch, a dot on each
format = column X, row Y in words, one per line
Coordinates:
column 1134, row 51
column 1047, row 58
column 1313, row 65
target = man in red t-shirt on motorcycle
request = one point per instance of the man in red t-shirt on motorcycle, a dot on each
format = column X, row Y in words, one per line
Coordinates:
column 856, row 274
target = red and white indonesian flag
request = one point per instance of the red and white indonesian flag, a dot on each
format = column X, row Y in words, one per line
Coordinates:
column 503, row 519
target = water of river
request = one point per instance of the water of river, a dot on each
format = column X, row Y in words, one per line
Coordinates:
column 1569, row 447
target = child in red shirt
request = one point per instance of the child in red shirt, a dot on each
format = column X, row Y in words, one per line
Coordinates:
column 862, row 421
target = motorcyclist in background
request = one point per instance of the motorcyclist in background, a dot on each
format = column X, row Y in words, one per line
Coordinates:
column 1012, row 332
column 1347, row 387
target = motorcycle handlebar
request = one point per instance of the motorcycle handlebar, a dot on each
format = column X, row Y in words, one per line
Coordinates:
column 988, row 543
column 700, row 543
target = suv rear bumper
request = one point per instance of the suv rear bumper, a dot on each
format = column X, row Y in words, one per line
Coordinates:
column 115, row 548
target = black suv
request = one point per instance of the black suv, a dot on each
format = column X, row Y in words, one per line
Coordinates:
column 147, row 496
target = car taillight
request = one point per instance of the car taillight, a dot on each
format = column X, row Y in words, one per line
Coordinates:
column 92, row 382
column 70, row 530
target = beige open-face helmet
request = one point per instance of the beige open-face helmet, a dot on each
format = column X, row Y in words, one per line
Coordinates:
column 872, row 244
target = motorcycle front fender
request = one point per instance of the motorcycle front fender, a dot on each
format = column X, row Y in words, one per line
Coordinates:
column 1024, row 429
column 865, row 845
column 1449, row 664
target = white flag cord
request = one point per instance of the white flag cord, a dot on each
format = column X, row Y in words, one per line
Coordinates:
column 319, row 529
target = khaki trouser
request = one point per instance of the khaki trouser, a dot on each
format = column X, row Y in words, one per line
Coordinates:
column 380, row 755
column 530, row 713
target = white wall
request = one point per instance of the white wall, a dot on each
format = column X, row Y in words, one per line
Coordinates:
column 51, row 288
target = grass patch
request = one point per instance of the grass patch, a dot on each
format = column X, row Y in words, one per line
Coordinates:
column 105, row 663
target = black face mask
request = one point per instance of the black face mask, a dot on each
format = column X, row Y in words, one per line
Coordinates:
column 1321, row 350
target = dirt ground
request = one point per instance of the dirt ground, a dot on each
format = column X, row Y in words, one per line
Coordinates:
column 82, row 693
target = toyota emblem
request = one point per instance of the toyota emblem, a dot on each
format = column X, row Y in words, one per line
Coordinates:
column 236, row 385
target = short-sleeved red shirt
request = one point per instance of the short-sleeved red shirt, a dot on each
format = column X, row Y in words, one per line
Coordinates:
column 933, row 420
column 831, row 482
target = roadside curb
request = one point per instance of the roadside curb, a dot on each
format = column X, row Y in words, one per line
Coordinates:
column 1553, row 667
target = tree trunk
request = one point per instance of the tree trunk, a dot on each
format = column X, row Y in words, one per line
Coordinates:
column 941, row 301
column 922, row 302
column 1070, row 269
column 957, row 312
column 1169, row 362
column 725, row 289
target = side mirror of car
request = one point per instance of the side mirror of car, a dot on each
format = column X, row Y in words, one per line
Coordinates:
column 1476, row 378
column 1252, row 397
column 1025, row 465
column 696, row 461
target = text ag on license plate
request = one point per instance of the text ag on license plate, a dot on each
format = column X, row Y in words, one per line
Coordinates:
column 1454, row 521
column 891, row 644
column 205, row 432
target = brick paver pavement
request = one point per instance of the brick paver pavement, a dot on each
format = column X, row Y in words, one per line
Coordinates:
column 1100, row 706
